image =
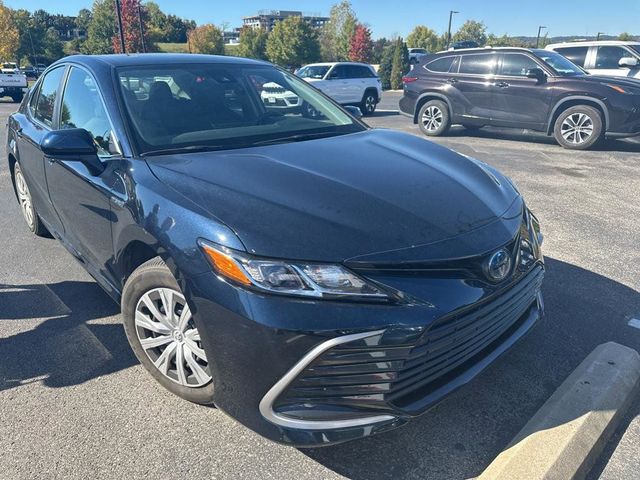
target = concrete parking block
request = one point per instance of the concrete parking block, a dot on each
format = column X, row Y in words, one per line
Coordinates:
column 563, row 439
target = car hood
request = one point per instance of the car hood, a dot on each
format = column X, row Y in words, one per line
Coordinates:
column 336, row 198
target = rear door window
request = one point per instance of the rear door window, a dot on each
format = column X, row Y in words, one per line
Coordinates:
column 360, row 71
column 609, row 56
column 577, row 55
column 46, row 100
column 478, row 64
column 517, row 65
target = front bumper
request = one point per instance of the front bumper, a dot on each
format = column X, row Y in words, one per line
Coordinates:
column 310, row 373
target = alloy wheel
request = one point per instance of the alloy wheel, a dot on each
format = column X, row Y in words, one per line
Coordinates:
column 169, row 337
column 577, row 128
column 24, row 197
column 370, row 103
column 432, row 118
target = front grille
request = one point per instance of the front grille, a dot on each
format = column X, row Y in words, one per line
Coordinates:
column 377, row 374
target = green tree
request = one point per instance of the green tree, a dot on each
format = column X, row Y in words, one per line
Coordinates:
column 335, row 39
column 83, row 20
column 207, row 39
column 424, row 37
column 10, row 37
column 386, row 63
column 53, row 45
column 102, row 28
column 378, row 49
column 253, row 43
column 626, row 37
column 472, row 30
column 293, row 42
column 400, row 64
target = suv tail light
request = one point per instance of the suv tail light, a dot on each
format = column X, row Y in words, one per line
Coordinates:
column 409, row 79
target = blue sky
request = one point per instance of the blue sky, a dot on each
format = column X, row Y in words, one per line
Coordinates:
column 388, row 17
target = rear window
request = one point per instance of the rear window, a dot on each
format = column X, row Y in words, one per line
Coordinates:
column 577, row 55
column 440, row 65
column 478, row 64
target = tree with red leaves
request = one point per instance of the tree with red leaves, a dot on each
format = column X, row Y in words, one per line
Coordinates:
column 130, row 27
column 361, row 45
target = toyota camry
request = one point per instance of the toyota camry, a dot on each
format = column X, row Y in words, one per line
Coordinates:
column 316, row 279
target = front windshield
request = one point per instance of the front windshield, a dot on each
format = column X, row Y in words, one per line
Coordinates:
column 222, row 106
column 313, row 71
column 560, row 64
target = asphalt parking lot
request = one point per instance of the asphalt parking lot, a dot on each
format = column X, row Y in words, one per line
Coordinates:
column 75, row 403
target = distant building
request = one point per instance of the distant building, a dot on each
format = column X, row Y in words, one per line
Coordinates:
column 266, row 19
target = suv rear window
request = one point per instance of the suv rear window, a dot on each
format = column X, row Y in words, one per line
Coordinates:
column 441, row 65
column 478, row 64
column 577, row 55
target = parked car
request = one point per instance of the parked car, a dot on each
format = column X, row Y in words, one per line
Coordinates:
column 9, row 67
column 464, row 44
column 30, row 71
column 318, row 280
column 607, row 57
column 520, row 88
column 13, row 85
column 40, row 68
column 347, row 83
column 415, row 54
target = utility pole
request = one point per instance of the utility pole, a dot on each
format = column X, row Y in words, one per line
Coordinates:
column 451, row 12
column 538, row 37
column 598, row 35
column 33, row 50
column 144, row 47
column 119, row 14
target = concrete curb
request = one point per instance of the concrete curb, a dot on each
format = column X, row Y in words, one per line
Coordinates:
column 564, row 438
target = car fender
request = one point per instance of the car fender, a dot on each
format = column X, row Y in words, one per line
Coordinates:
column 437, row 95
column 572, row 98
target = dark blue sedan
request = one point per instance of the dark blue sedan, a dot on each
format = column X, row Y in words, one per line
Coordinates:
column 318, row 280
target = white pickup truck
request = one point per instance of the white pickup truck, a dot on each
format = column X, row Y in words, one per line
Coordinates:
column 13, row 85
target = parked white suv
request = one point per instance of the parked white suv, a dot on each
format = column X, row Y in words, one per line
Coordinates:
column 348, row 83
column 608, row 57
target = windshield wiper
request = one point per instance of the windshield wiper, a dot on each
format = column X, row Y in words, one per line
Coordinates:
column 187, row 149
column 299, row 137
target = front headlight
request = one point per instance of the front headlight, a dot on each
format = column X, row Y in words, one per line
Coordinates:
column 302, row 279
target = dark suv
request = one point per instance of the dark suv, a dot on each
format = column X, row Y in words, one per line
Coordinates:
column 522, row 88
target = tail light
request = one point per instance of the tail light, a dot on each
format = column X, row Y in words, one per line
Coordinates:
column 408, row 79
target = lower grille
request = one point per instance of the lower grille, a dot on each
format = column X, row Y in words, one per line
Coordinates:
column 377, row 375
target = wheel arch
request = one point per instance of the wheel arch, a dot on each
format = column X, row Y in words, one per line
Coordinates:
column 425, row 97
column 12, row 162
column 576, row 100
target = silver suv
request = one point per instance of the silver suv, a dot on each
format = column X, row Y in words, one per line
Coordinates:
column 610, row 57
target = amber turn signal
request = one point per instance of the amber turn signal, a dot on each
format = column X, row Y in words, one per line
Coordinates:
column 225, row 265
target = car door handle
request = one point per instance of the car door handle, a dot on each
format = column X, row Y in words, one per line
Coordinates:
column 502, row 84
column 452, row 80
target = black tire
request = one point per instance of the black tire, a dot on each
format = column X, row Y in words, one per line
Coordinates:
column 434, row 118
column 147, row 278
column 17, row 97
column 369, row 103
column 28, row 209
column 579, row 127
column 472, row 128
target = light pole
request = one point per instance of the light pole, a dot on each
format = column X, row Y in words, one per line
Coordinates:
column 538, row 37
column 120, row 26
column 451, row 12
column 598, row 35
column 144, row 47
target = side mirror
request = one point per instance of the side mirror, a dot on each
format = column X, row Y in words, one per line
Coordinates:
column 628, row 62
column 354, row 111
column 73, row 144
column 536, row 73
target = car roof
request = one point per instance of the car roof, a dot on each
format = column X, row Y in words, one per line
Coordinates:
column 141, row 59
column 329, row 64
column 590, row 43
column 488, row 48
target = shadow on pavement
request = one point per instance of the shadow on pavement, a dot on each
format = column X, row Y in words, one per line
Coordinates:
column 517, row 135
column 459, row 437
column 64, row 349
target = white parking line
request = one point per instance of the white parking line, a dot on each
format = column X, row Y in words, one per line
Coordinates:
column 635, row 323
